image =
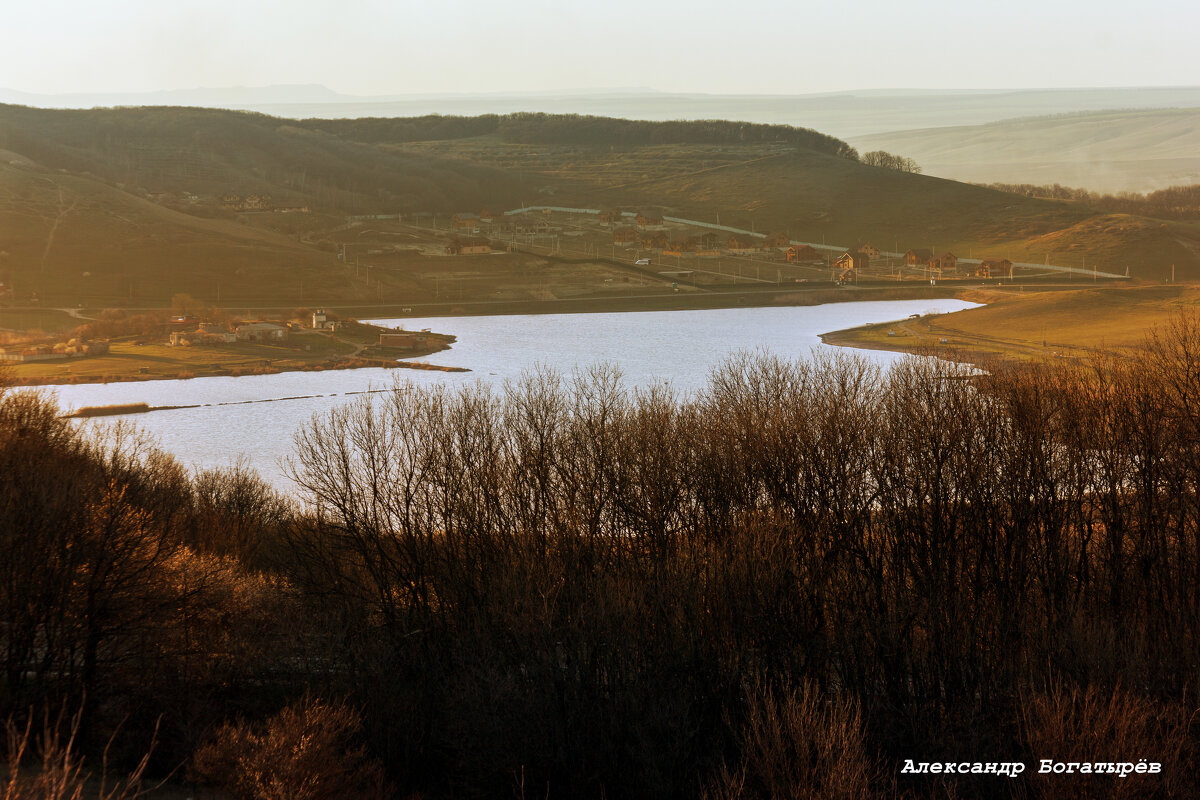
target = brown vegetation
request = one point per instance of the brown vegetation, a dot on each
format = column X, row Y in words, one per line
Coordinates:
column 1176, row 202
column 786, row 585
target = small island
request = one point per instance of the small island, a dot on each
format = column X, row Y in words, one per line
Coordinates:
column 194, row 341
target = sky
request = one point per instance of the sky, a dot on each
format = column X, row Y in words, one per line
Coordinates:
column 375, row 47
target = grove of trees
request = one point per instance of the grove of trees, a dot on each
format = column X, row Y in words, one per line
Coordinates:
column 882, row 158
column 785, row 585
column 1174, row 202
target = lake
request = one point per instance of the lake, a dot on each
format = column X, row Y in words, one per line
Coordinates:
column 254, row 417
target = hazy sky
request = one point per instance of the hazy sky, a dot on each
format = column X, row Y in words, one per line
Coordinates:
column 734, row 46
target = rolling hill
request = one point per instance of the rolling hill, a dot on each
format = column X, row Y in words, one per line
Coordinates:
column 131, row 200
column 818, row 197
column 62, row 234
column 1110, row 151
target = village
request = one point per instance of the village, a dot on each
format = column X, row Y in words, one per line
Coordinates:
column 697, row 254
column 127, row 346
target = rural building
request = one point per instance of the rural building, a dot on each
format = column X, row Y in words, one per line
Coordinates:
column 710, row 241
column 469, row 247
column 625, row 235
column 38, row 353
column 777, row 240
column 404, row 340
column 256, row 202
column 261, row 332
column 852, row 260
column 465, row 220
column 251, row 202
column 214, row 335
column 610, row 217
column 946, row 262
column 655, row 241
column 802, row 252
column 994, row 268
column 739, row 243
column 866, row 248
column 918, row 257
column 645, row 219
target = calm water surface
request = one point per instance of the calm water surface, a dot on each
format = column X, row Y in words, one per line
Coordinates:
column 254, row 417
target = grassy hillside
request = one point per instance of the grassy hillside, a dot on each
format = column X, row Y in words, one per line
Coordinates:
column 821, row 198
column 210, row 152
column 125, row 205
column 66, row 237
column 1110, row 151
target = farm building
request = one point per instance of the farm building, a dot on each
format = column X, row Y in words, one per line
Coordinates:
column 36, row 353
column 261, row 332
column 868, row 249
column 655, row 241
column 625, row 235
column 464, row 220
column 946, row 262
column 802, row 252
column 852, row 260
column 777, row 240
column 739, row 243
column 403, row 340
column 468, row 247
column 918, row 257
column 994, row 268
column 645, row 219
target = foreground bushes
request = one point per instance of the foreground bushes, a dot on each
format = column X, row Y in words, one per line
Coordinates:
column 786, row 585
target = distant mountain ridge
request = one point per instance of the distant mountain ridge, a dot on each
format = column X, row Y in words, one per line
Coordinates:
column 841, row 114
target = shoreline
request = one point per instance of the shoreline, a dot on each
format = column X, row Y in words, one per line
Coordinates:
column 974, row 348
column 1023, row 327
column 754, row 298
column 228, row 373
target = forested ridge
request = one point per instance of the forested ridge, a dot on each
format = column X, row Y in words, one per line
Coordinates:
column 333, row 164
column 211, row 152
column 785, row 585
column 541, row 128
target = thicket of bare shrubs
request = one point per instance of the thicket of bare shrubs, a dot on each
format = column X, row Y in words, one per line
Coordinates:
column 785, row 585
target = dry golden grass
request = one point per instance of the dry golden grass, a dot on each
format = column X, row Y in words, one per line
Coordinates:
column 1037, row 325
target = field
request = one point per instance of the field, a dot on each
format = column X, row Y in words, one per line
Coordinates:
column 48, row 320
column 1039, row 326
column 1110, row 151
column 129, row 360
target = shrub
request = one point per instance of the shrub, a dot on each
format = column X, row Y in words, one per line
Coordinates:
column 305, row 752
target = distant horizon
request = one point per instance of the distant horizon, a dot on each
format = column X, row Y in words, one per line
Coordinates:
column 845, row 114
column 332, row 93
